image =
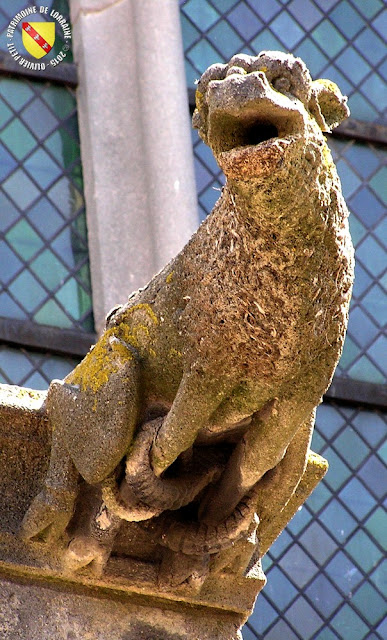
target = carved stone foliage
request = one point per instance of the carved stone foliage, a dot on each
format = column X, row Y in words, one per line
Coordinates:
column 181, row 441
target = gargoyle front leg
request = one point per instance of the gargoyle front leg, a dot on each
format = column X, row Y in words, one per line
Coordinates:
column 52, row 509
column 278, row 485
column 261, row 449
column 199, row 394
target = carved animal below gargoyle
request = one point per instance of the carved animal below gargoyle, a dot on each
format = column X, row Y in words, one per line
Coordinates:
column 209, row 377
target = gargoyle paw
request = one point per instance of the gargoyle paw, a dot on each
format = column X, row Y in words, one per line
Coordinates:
column 84, row 551
column 48, row 515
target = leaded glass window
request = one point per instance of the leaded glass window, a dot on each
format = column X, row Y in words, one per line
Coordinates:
column 44, row 276
column 325, row 572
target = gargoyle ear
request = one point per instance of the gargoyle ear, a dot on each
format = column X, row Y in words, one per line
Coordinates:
column 327, row 104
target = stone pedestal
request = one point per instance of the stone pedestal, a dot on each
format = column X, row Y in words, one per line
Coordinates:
column 38, row 602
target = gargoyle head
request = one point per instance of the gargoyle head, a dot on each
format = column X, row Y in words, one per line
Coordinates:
column 252, row 109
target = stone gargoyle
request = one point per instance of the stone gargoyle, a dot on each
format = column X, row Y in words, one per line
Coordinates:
column 194, row 411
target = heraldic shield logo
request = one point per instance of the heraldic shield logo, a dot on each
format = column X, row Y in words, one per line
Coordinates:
column 38, row 37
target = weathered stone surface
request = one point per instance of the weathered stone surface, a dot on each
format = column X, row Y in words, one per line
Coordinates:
column 180, row 444
column 38, row 612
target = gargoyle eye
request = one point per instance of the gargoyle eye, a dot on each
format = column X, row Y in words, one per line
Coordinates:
column 282, row 84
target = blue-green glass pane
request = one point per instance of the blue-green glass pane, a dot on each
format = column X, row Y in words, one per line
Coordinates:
column 329, row 420
column 14, row 364
column 263, row 615
column 320, row 496
column 376, row 525
column 222, row 5
column 7, row 163
column 306, row 13
column 368, row 8
column 67, row 295
column 357, row 499
column 9, row 308
column 39, row 118
column 313, row 57
column 367, row 207
column 24, row 240
column 351, row 447
column 379, row 183
column 338, row 471
column 279, row 589
column 379, row 578
column 5, row 113
column 287, row 30
column 350, row 181
column 203, row 55
column 17, row 138
column 347, row 623
column 303, row 618
column 324, row 595
column 266, row 10
column 42, row 169
column 326, row 32
column 363, row 551
column 371, row 46
column 372, row 256
column 365, row 330
column 374, row 301
column 21, row 189
column 361, row 108
column 248, row 633
column 202, row 13
column 343, row 573
column 225, row 39
column 317, row 542
column 347, row 19
column 326, row 634
column 363, row 281
column 365, row 369
column 45, row 218
column 370, row 603
column 266, row 41
column 299, row 521
column 32, row 369
column 26, row 289
column 245, row 21
column 60, row 100
column 281, row 544
column 374, row 88
column 378, row 353
column 64, row 149
column 357, row 229
column 11, row 264
column 17, row 93
column 298, row 566
column 350, row 352
column 189, row 32
column 11, row 7
column 339, row 521
column 371, row 426
column 380, row 23
column 374, row 475
column 363, row 159
column 49, row 269
column 52, row 314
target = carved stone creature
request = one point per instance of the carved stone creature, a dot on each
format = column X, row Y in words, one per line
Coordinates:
column 207, row 379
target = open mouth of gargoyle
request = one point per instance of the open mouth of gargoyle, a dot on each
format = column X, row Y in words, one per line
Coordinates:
column 248, row 130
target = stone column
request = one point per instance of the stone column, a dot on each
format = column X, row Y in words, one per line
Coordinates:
column 135, row 138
